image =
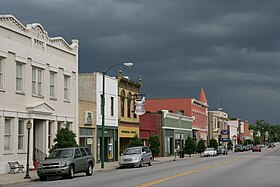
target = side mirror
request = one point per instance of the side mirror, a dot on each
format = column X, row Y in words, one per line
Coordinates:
column 46, row 158
column 144, row 152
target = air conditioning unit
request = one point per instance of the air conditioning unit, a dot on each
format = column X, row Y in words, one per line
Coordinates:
column 88, row 117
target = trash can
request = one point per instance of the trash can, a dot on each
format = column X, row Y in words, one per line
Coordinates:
column 181, row 153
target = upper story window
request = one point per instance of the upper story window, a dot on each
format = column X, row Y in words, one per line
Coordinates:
column 122, row 103
column 112, row 106
column 66, row 87
column 129, row 105
column 37, row 81
column 52, row 84
column 1, row 72
column 19, row 76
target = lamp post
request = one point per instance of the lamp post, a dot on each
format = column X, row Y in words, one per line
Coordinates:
column 128, row 64
column 28, row 126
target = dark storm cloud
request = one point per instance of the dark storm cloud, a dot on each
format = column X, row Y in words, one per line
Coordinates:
column 230, row 48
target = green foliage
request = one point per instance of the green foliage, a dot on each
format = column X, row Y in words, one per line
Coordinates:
column 247, row 142
column 213, row 143
column 190, row 146
column 154, row 144
column 229, row 145
column 135, row 141
column 64, row 138
column 200, row 146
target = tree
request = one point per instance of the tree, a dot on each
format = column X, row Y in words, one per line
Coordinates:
column 213, row 143
column 189, row 146
column 135, row 141
column 64, row 138
column 154, row 144
column 200, row 146
column 229, row 145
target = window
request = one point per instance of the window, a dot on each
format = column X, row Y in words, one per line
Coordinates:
column 50, row 135
column 122, row 103
column 180, row 112
column 19, row 77
column 66, row 87
column 20, row 134
column 129, row 105
column 1, row 72
column 37, row 81
column 112, row 106
column 101, row 103
column 7, row 135
column 52, row 84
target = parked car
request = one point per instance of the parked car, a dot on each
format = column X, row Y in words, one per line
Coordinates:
column 222, row 150
column 66, row 162
column 136, row 156
column 238, row 148
column 210, row 152
column 257, row 148
column 271, row 145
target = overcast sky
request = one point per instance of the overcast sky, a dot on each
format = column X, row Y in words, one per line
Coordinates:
column 230, row 48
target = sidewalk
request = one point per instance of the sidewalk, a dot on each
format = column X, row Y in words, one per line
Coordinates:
column 10, row 179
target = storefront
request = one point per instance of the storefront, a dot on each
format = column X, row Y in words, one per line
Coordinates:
column 125, row 135
column 86, row 138
column 110, row 144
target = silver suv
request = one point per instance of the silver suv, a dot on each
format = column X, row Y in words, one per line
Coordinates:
column 66, row 162
column 136, row 156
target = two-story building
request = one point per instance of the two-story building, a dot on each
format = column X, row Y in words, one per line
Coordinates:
column 38, row 83
column 218, row 127
column 195, row 108
column 128, row 90
column 90, row 99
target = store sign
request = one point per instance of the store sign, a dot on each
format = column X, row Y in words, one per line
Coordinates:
column 224, row 139
column 128, row 132
column 224, row 132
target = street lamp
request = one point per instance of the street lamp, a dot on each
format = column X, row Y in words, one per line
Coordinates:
column 128, row 64
column 28, row 126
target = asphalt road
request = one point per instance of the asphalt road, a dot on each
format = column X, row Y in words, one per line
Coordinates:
column 246, row 169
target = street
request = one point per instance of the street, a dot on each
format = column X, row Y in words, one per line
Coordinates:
column 236, row 169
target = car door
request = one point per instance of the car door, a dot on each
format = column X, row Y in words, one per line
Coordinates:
column 84, row 159
column 146, row 155
column 78, row 160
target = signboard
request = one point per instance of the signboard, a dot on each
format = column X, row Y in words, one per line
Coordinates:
column 224, row 132
column 225, row 139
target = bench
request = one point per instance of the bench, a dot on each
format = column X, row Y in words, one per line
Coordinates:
column 15, row 165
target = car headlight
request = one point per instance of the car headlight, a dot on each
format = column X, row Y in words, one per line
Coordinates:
column 135, row 158
column 62, row 164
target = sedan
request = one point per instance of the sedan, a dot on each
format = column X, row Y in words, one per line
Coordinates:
column 257, row 148
column 210, row 152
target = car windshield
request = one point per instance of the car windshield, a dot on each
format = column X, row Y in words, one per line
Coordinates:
column 64, row 153
column 209, row 149
column 131, row 151
column 220, row 147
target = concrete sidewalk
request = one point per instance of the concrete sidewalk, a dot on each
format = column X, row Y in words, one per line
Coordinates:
column 11, row 179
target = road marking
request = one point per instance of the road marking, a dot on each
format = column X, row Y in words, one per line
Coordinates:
column 184, row 173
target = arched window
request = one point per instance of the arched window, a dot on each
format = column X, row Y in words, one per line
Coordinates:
column 129, row 105
column 122, row 103
column 134, row 107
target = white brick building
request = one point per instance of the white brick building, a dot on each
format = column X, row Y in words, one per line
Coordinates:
column 38, row 82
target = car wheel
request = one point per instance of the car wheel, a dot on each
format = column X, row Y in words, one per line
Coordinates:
column 89, row 171
column 71, row 172
column 43, row 178
column 150, row 162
